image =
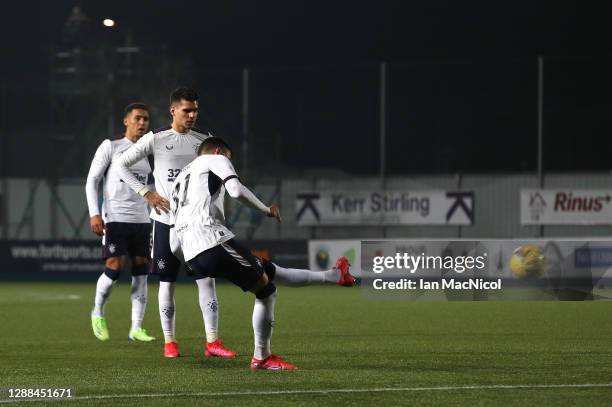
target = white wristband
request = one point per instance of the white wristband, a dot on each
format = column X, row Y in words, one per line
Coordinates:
column 143, row 191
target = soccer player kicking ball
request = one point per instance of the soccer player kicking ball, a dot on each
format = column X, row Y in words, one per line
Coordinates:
column 200, row 237
column 123, row 223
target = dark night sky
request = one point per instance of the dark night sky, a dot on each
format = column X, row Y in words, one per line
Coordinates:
column 304, row 32
column 231, row 34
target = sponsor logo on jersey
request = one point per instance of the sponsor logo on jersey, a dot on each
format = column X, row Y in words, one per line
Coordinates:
column 169, row 147
column 140, row 178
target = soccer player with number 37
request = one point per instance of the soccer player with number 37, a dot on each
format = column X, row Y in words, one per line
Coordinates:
column 172, row 148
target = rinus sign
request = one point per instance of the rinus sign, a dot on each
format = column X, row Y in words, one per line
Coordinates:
column 566, row 207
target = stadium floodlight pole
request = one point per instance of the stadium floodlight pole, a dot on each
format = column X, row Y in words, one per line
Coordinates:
column 383, row 122
column 4, row 168
column 245, row 119
column 108, row 72
column 540, row 129
column 540, row 119
column 383, row 129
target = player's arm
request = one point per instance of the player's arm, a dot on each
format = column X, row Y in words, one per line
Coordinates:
column 141, row 149
column 237, row 190
column 224, row 169
column 99, row 164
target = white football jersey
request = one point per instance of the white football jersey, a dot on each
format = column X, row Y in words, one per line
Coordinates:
column 197, row 204
column 171, row 151
column 120, row 203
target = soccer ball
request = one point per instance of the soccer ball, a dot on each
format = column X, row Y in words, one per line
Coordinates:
column 527, row 262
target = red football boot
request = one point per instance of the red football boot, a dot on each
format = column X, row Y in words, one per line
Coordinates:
column 272, row 362
column 171, row 350
column 217, row 349
column 346, row 279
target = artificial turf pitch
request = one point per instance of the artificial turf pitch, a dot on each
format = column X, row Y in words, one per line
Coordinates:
column 350, row 350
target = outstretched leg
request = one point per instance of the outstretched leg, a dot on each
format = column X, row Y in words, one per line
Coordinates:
column 299, row 277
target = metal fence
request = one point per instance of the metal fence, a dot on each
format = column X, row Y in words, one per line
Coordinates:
column 34, row 209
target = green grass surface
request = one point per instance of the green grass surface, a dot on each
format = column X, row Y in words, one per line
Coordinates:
column 339, row 339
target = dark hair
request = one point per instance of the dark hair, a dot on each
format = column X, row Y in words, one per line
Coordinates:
column 181, row 93
column 211, row 143
column 136, row 105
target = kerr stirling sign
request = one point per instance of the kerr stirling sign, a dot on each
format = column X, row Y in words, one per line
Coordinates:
column 566, row 207
column 342, row 208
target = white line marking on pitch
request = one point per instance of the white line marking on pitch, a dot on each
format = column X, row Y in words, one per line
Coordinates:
column 322, row 391
column 47, row 297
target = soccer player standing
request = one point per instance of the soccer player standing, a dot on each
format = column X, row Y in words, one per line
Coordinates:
column 123, row 223
column 172, row 148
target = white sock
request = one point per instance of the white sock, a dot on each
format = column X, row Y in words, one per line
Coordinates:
column 139, row 300
column 207, row 296
column 167, row 310
column 301, row 277
column 263, row 324
column 104, row 287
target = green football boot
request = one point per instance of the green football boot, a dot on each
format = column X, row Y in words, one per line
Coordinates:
column 140, row 335
column 100, row 330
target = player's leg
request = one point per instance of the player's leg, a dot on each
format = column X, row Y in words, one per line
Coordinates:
column 104, row 287
column 166, row 265
column 167, row 316
column 263, row 327
column 299, row 277
column 138, row 247
column 207, row 294
column 263, row 318
column 207, row 297
column 250, row 274
column 203, row 267
column 105, row 283
column 139, row 297
column 114, row 249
